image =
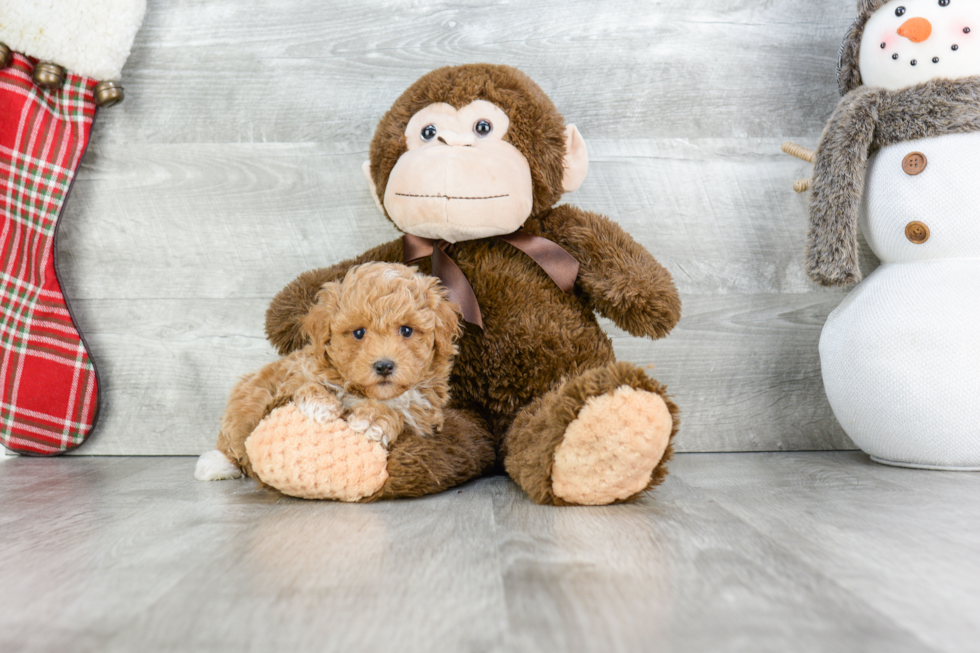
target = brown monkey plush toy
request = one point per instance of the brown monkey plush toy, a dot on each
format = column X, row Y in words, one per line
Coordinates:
column 469, row 163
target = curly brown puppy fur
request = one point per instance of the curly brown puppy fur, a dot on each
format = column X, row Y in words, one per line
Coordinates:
column 379, row 353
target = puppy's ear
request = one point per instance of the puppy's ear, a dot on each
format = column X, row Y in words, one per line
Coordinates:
column 447, row 326
column 316, row 324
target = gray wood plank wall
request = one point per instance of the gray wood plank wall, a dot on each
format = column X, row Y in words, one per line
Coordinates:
column 234, row 165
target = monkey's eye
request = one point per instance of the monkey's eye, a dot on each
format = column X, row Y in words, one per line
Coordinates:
column 901, row 10
column 358, row 333
column 406, row 331
column 428, row 132
column 483, row 128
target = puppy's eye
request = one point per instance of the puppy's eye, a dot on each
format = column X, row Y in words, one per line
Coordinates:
column 428, row 132
column 900, row 11
column 406, row 331
column 483, row 128
column 358, row 334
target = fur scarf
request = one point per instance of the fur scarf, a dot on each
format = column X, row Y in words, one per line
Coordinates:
column 867, row 119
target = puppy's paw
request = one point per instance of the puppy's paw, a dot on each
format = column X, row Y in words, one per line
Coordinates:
column 317, row 404
column 318, row 411
column 215, row 466
column 372, row 430
column 376, row 422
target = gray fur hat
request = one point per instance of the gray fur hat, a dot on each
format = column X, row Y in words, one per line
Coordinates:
column 848, row 60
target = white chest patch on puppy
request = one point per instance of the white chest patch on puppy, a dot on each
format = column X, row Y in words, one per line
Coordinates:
column 402, row 404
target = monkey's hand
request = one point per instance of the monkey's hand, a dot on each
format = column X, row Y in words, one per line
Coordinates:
column 376, row 421
column 317, row 403
column 622, row 279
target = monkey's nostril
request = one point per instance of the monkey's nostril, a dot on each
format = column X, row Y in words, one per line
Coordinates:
column 441, row 140
column 384, row 367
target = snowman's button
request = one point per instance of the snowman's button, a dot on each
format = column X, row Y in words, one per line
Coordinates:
column 914, row 163
column 917, row 232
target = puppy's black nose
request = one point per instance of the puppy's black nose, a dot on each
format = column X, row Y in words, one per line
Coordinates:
column 384, row 367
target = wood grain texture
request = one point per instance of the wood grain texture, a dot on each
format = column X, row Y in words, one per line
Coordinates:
column 233, row 220
column 674, row 572
column 800, row 552
column 892, row 539
column 168, row 370
column 234, row 165
column 301, row 71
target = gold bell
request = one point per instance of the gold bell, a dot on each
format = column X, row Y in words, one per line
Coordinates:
column 108, row 93
column 5, row 55
column 49, row 75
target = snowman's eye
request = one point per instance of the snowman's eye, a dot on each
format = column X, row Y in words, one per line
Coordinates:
column 900, row 11
column 943, row 3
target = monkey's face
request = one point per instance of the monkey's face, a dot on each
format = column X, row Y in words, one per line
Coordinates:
column 471, row 152
column 459, row 179
column 908, row 42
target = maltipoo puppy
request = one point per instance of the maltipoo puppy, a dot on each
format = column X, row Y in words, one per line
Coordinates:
column 379, row 354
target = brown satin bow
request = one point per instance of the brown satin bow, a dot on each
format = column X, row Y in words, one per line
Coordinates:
column 552, row 257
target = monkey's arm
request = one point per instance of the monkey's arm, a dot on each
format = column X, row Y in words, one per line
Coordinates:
column 286, row 312
column 838, row 183
column 623, row 281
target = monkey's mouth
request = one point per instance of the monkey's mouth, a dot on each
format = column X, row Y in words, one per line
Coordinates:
column 453, row 197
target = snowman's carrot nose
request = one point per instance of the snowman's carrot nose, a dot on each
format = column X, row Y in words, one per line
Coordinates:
column 916, row 30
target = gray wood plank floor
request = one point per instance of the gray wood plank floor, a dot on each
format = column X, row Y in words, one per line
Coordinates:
column 234, row 165
column 735, row 552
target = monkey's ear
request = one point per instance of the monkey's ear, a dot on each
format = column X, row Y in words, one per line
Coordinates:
column 576, row 161
column 366, row 169
column 316, row 324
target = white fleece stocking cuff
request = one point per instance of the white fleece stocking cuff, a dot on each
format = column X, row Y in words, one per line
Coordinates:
column 88, row 37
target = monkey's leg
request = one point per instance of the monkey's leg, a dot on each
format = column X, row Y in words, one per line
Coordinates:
column 419, row 465
column 601, row 437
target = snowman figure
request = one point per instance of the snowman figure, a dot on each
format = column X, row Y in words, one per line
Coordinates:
column 901, row 354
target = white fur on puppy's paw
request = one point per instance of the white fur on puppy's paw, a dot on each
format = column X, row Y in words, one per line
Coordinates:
column 371, row 430
column 359, row 424
column 215, row 466
column 317, row 411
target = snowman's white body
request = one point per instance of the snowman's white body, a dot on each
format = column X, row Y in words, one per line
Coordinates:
column 901, row 354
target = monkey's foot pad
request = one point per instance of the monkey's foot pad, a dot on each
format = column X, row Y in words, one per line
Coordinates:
column 313, row 460
column 611, row 449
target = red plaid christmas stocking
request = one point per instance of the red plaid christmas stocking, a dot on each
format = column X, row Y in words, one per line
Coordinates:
column 50, row 391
